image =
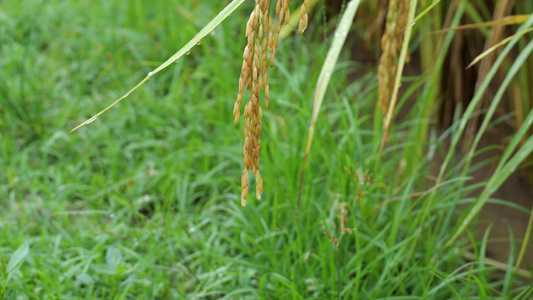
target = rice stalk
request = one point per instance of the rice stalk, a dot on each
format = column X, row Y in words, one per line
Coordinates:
column 507, row 20
column 502, row 9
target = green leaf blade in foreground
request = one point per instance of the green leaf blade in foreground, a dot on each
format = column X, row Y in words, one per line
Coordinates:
column 16, row 260
column 325, row 75
column 185, row 49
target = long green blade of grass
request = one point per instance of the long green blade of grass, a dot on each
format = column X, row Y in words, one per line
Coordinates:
column 174, row 58
column 493, row 48
column 427, row 10
column 525, row 243
column 508, row 284
column 325, row 75
column 494, row 183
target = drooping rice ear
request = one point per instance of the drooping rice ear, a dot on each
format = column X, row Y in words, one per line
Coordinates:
column 263, row 38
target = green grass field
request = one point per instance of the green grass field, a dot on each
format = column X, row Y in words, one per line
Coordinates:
column 144, row 203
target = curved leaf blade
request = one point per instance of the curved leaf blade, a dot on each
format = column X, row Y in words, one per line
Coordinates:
column 185, row 49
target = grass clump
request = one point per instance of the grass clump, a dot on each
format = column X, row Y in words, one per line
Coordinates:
column 143, row 204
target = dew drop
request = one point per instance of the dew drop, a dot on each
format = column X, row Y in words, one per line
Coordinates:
column 150, row 74
column 91, row 120
column 177, row 60
column 413, row 24
column 188, row 52
column 199, row 42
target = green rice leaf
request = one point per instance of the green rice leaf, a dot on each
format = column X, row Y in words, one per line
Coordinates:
column 184, row 50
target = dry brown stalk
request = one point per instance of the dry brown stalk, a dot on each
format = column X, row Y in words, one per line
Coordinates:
column 344, row 212
column 263, row 39
column 391, row 43
column 331, row 238
column 502, row 9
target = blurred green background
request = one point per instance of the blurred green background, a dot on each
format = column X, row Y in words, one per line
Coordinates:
column 144, row 203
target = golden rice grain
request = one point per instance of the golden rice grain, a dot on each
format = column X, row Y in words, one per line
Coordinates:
column 303, row 16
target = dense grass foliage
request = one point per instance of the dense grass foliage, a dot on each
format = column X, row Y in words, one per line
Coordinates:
column 144, row 203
